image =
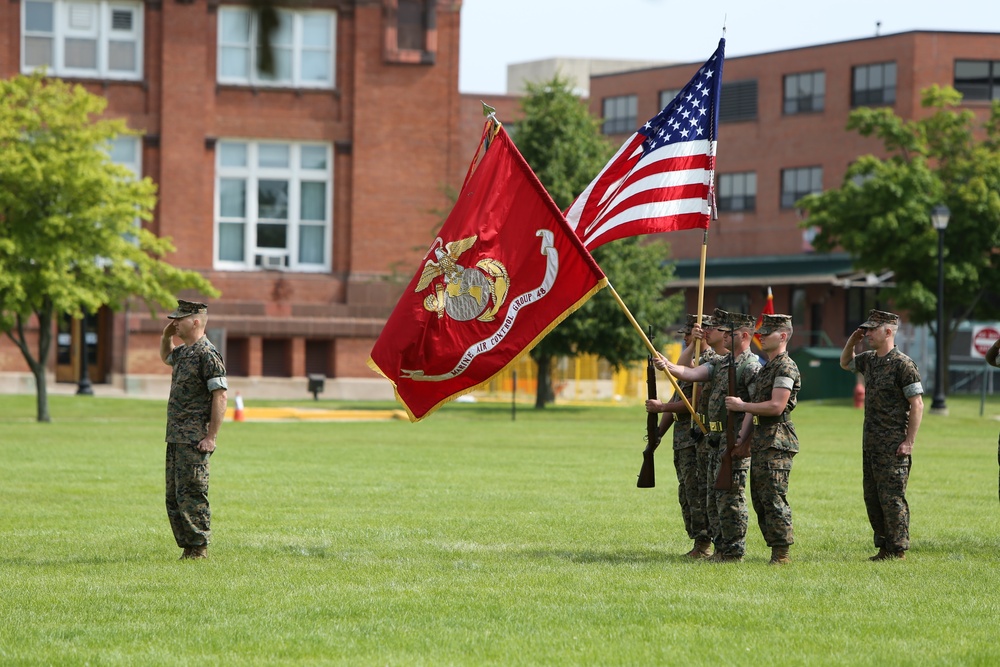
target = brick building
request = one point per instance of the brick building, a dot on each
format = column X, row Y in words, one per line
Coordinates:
column 306, row 195
column 781, row 136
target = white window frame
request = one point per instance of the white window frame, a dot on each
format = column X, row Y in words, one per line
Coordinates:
column 102, row 32
column 807, row 181
column 729, row 183
column 254, row 77
column 252, row 174
column 620, row 114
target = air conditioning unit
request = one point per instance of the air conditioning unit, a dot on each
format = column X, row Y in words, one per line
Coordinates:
column 273, row 261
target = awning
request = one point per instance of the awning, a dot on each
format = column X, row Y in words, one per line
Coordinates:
column 763, row 270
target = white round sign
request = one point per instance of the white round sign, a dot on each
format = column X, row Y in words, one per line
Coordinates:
column 983, row 339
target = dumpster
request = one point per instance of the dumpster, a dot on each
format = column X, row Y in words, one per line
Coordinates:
column 822, row 376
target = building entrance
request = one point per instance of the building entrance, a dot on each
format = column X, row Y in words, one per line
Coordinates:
column 89, row 336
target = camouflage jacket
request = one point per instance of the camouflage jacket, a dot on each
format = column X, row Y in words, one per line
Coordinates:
column 890, row 382
column 783, row 373
column 198, row 371
column 705, row 388
column 747, row 367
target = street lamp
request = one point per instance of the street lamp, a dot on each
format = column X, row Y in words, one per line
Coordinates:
column 939, row 218
column 84, row 386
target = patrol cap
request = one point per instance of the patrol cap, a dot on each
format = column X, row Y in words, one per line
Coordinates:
column 879, row 318
column 736, row 321
column 186, row 308
column 773, row 323
column 688, row 325
column 719, row 317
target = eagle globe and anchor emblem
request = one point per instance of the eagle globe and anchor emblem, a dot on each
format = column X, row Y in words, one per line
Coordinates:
column 465, row 293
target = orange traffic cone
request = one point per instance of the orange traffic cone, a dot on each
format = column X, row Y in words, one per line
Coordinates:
column 238, row 412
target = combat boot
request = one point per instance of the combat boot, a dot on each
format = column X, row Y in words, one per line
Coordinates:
column 702, row 549
column 196, row 553
column 886, row 554
column 186, row 554
column 779, row 556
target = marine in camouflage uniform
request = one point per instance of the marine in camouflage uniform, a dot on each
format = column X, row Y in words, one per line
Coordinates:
column 772, row 440
column 195, row 409
column 705, row 455
column 991, row 359
column 706, row 447
column 730, row 505
column 690, row 488
column 893, row 411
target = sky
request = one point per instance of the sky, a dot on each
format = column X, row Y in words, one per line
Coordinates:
column 496, row 33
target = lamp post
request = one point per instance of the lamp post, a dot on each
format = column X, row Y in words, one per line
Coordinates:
column 84, row 387
column 939, row 218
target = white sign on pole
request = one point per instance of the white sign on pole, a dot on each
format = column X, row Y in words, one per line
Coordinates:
column 983, row 337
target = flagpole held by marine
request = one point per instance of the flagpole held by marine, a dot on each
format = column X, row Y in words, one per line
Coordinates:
column 654, row 351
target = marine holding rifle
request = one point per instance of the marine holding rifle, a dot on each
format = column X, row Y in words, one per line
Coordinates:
column 689, row 454
column 728, row 504
column 768, row 436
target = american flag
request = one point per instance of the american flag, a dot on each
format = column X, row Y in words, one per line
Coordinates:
column 660, row 180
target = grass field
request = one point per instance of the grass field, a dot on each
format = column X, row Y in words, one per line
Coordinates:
column 472, row 539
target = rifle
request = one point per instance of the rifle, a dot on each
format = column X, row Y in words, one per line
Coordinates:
column 647, row 474
column 724, row 482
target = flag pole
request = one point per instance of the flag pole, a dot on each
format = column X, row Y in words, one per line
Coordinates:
column 701, row 308
column 654, row 351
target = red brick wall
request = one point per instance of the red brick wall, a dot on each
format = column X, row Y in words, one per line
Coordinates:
column 774, row 141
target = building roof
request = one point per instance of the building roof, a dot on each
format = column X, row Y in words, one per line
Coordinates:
column 804, row 268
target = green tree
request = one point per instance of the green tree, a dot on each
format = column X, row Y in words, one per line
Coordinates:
column 69, row 242
column 564, row 146
column 881, row 212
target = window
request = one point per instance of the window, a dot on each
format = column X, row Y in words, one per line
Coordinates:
column 805, row 92
column 874, row 85
column 125, row 151
column 737, row 192
column 734, row 302
column 276, row 357
column 82, row 39
column 667, row 96
column 302, row 46
column 318, row 356
column 860, row 300
column 738, row 101
column 409, row 31
column 978, row 79
column 412, row 25
column 237, row 357
column 620, row 114
column 273, row 206
column 797, row 183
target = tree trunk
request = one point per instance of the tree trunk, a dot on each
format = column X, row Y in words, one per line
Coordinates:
column 544, row 393
column 41, row 393
column 37, row 366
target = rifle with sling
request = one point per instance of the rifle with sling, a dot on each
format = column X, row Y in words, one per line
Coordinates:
column 724, row 481
column 647, row 473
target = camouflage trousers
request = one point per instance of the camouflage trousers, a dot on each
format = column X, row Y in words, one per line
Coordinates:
column 705, row 464
column 884, row 477
column 729, row 507
column 187, row 494
column 691, row 492
column 769, row 471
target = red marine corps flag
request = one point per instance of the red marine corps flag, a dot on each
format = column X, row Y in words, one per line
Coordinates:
column 504, row 270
